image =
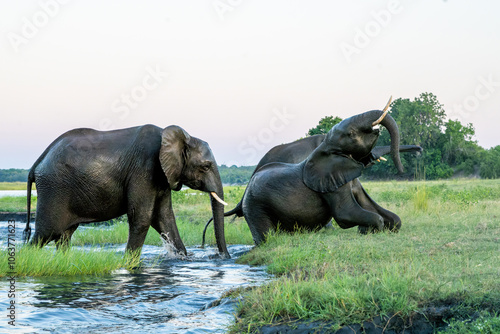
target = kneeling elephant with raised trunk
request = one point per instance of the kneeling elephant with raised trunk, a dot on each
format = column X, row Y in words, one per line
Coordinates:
column 324, row 185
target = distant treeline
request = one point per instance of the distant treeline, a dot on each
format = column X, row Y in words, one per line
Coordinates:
column 13, row 175
column 229, row 175
column 235, row 175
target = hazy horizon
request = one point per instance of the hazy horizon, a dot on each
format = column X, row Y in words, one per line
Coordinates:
column 242, row 75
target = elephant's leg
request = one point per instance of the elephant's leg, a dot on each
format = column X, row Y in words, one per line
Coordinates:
column 138, row 227
column 52, row 217
column 63, row 241
column 392, row 221
column 40, row 239
column 348, row 213
column 260, row 224
column 164, row 223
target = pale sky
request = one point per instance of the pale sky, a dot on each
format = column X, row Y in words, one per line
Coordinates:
column 242, row 75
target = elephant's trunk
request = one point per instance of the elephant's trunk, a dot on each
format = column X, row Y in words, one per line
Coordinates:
column 390, row 124
column 218, row 214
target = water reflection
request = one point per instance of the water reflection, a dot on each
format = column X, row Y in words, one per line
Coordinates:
column 166, row 298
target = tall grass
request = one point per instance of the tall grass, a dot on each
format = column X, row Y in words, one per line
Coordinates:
column 421, row 198
column 32, row 261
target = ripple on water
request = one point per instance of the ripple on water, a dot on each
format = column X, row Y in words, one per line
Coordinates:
column 167, row 298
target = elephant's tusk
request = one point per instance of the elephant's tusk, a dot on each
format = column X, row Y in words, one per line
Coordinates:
column 386, row 110
column 217, row 198
column 383, row 159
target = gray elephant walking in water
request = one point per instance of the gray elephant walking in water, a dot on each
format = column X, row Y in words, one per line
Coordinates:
column 89, row 176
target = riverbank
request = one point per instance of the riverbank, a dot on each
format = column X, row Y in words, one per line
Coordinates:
column 444, row 264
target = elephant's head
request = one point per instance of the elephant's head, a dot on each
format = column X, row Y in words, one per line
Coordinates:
column 189, row 161
column 346, row 150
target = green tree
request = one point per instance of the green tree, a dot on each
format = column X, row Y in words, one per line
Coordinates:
column 448, row 145
column 490, row 163
column 325, row 124
column 420, row 121
column 458, row 147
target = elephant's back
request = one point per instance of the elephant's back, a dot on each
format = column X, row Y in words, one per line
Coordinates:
column 88, row 149
column 278, row 190
column 82, row 157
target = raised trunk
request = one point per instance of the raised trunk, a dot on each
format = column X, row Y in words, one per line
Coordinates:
column 218, row 214
column 390, row 124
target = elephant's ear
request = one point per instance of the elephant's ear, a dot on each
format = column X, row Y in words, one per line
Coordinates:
column 172, row 154
column 325, row 172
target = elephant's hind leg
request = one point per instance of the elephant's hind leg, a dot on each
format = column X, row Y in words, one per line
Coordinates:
column 63, row 241
column 392, row 222
column 260, row 225
column 40, row 240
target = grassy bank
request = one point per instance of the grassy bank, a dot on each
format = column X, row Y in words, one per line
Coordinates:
column 13, row 186
column 447, row 252
column 30, row 261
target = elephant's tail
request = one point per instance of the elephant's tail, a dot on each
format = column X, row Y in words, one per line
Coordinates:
column 238, row 211
column 27, row 229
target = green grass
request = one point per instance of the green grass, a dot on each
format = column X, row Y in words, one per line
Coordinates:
column 447, row 249
column 13, row 186
column 16, row 203
column 32, row 261
column 484, row 324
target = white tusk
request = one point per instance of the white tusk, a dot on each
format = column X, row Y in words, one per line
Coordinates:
column 217, row 198
column 386, row 110
column 383, row 159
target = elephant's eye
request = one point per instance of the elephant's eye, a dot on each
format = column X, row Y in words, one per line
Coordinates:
column 206, row 166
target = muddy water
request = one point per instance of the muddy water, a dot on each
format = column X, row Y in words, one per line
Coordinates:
column 174, row 296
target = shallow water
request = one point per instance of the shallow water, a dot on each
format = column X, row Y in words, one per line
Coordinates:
column 171, row 297
column 15, row 193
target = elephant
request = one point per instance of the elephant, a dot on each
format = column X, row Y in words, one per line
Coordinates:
column 325, row 184
column 88, row 176
column 299, row 150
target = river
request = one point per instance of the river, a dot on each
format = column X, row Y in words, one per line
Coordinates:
column 171, row 297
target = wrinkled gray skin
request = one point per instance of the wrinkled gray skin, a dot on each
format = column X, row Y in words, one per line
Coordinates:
column 324, row 185
column 89, row 176
column 299, row 150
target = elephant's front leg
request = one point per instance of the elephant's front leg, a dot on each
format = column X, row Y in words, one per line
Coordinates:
column 392, row 222
column 65, row 238
column 164, row 223
column 348, row 213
